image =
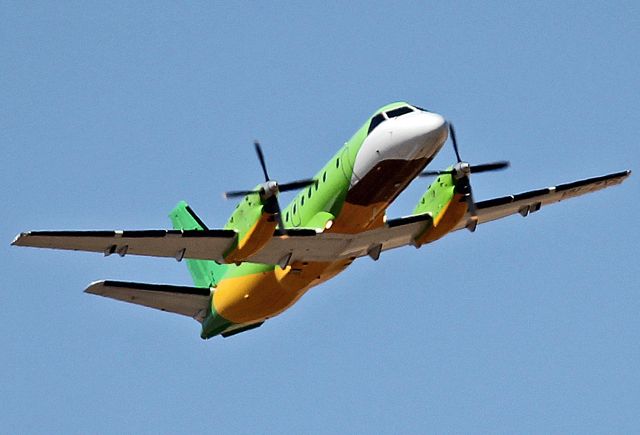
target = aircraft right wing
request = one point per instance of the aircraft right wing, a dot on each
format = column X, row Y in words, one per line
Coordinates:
column 178, row 244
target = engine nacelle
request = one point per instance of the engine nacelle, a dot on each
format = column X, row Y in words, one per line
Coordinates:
column 255, row 224
column 446, row 206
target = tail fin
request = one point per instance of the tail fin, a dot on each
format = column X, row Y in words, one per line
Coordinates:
column 205, row 273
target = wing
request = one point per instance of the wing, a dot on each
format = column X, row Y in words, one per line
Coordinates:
column 403, row 231
column 530, row 202
column 178, row 244
column 188, row 301
column 284, row 247
column 302, row 245
column 326, row 246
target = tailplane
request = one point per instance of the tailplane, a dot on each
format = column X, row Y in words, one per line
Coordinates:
column 188, row 301
column 205, row 273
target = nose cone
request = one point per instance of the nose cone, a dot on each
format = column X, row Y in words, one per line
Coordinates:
column 412, row 136
column 419, row 134
column 435, row 124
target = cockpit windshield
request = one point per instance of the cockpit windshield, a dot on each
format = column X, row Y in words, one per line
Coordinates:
column 399, row 112
column 375, row 121
column 394, row 113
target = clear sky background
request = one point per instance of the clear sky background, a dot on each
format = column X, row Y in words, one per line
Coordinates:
column 111, row 113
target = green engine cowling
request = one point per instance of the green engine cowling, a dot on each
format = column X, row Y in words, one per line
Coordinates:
column 445, row 204
column 255, row 226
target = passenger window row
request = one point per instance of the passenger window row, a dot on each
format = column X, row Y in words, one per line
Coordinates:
column 309, row 192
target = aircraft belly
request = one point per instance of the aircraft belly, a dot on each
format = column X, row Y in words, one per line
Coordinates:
column 258, row 296
column 385, row 181
column 367, row 200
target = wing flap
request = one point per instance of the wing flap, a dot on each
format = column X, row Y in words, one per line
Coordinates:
column 187, row 301
column 327, row 246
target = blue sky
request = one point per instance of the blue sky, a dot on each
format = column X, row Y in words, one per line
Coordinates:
column 111, row 113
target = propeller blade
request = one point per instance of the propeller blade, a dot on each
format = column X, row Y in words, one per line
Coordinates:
column 295, row 185
column 240, row 193
column 434, row 173
column 256, row 144
column 463, row 186
column 474, row 169
column 269, row 189
column 486, row 167
column 452, row 133
column 473, row 211
column 278, row 216
column 273, row 206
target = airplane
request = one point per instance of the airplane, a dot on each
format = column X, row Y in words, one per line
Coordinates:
column 265, row 258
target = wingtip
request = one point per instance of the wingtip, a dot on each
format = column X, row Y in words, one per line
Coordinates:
column 93, row 285
column 17, row 238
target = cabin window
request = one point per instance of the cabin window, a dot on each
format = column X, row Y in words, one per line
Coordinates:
column 294, row 208
column 317, row 184
column 338, row 162
column 286, row 217
column 309, row 193
column 324, row 177
column 399, row 111
column 302, row 200
column 375, row 121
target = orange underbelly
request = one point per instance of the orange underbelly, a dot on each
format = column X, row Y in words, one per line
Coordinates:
column 258, row 296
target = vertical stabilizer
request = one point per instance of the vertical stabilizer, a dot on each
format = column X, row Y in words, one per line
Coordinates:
column 205, row 273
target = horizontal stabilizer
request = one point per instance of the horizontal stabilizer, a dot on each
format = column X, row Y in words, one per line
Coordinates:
column 188, row 301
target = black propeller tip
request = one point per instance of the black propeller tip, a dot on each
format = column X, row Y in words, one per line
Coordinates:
column 452, row 133
column 260, row 154
column 486, row 167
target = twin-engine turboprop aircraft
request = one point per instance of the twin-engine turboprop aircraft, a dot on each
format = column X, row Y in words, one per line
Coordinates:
column 265, row 257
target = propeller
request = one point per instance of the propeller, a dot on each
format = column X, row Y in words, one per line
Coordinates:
column 270, row 189
column 460, row 173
